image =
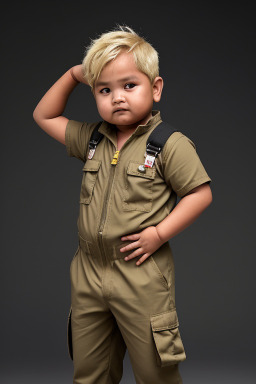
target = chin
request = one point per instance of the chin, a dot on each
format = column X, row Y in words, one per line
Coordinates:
column 122, row 121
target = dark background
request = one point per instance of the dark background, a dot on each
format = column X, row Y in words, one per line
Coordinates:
column 207, row 61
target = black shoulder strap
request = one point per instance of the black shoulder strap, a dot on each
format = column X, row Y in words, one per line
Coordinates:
column 96, row 137
column 155, row 142
column 158, row 138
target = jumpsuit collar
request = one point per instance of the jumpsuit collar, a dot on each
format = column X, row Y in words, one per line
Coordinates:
column 109, row 130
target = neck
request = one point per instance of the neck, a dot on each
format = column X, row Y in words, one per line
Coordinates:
column 131, row 128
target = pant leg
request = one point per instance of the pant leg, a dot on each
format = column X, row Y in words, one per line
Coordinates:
column 151, row 358
column 98, row 346
column 143, row 304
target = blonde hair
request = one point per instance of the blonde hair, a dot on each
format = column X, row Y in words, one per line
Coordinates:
column 110, row 44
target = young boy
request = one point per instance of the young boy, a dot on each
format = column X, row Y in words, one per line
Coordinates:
column 127, row 214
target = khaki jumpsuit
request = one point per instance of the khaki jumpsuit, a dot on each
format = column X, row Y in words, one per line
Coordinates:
column 115, row 303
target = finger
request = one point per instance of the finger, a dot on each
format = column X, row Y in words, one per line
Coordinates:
column 128, row 247
column 143, row 258
column 135, row 236
column 134, row 254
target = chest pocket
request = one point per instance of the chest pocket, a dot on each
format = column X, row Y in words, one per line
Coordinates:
column 138, row 191
column 90, row 174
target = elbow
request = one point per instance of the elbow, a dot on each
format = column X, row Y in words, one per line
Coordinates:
column 35, row 115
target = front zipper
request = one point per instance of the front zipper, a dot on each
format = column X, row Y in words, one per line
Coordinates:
column 105, row 203
column 105, row 206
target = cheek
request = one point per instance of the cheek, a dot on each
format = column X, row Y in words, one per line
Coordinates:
column 144, row 99
column 102, row 105
column 145, row 94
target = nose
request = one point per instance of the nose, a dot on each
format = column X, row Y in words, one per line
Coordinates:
column 118, row 97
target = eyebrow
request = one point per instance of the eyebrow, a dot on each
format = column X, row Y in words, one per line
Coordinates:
column 104, row 83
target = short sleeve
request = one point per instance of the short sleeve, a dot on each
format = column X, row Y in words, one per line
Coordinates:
column 182, row 167
column 77, row 137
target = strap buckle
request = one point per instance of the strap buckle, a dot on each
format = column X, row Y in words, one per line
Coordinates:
column 93, row 144
column 151, row 154
column 92, row 148
column 152, row 150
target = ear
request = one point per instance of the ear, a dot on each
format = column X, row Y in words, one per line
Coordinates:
column 157, row 88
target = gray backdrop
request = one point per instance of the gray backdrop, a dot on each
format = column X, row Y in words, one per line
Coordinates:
column 207, row 60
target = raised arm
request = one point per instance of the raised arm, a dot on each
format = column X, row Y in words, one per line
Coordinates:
column 48, row 112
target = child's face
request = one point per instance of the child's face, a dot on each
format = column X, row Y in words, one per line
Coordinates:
column 124, row 95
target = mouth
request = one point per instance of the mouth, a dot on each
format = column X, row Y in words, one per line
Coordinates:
column 120, row 110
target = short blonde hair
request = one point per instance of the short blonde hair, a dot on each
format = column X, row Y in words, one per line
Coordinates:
column 110, row 44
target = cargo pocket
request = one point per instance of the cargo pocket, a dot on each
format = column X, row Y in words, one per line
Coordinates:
column 138, row 193
column 69, row 335
column 90, row 173
column 169, row 346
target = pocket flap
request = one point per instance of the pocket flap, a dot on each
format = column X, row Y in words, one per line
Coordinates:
column 165, row 320
column 166, row 335
column 133, row 170
column 92, row 165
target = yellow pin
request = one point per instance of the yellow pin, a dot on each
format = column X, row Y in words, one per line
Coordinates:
column 114, row 160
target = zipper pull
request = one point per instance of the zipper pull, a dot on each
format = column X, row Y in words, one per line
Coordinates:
column 115, row 158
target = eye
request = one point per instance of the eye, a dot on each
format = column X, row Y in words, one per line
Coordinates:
column 105, row 90
column 129, row 85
